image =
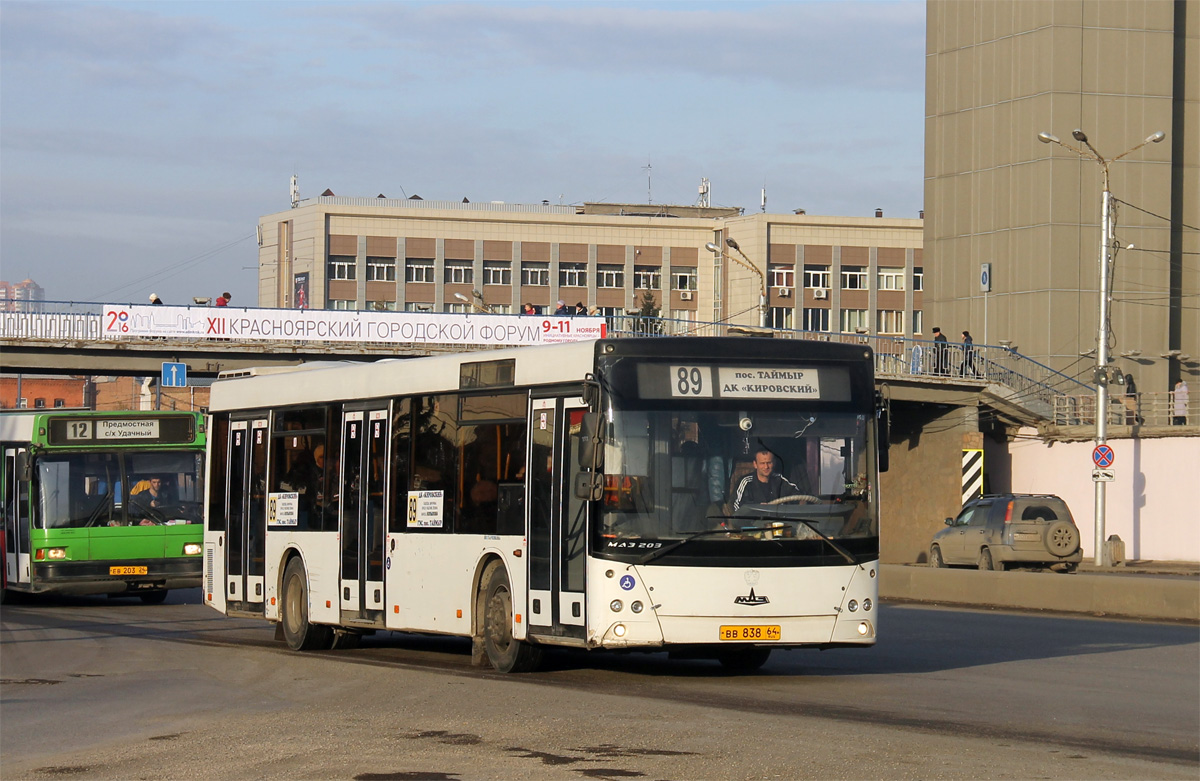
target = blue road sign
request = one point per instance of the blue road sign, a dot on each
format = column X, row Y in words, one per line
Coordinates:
column 174, row 375
column 1103, row 456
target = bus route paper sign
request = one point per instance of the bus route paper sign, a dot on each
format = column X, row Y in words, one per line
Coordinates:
column 283, row 509
column 425, row 509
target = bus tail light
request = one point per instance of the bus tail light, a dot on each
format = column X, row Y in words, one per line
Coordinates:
column 191, row 549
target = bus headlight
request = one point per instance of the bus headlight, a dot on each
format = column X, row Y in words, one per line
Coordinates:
column 619, row 630
column 867, row 604
column 864, row 628
column 853, row 605
column 191, row 549
column 615, row 606
column 636, row 607
column 56, row 553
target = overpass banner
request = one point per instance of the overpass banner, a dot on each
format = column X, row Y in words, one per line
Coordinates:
column 124, row 321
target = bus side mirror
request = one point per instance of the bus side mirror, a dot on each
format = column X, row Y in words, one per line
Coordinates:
column 883, row 432
column 589, row 486
column 24, row 470
column 591, row 447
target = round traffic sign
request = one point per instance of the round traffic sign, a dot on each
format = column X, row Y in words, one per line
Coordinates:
column 1103, row 456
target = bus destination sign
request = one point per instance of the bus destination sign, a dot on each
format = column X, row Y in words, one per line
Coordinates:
column 97, row 430
column 699, row 381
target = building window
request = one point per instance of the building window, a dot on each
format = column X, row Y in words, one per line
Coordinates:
column 611, row 311
column 918, row 323
column 781, row 276
column 22, row 403
column 780, row 317
column 891, row 279
column 816, row 276
column 610, row 276
column 918, row 278
column 459, row 272
column 816, row 319
column 342, row 267
column 419, row 270
column 854, row 278
column 497, row 273
column 890, row 321
column 572, row 275
column 343, row 305
column 60, row 402
column 647, row 278
column 500, row 309
column 683, row 278
column 381, row 269
column 418, row 306
column 535, row 274
column 381, row 306
column 854, row 319
column 39, row 403
column 458, row 309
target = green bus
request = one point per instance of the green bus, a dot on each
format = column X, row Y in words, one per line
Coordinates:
column 102, row 502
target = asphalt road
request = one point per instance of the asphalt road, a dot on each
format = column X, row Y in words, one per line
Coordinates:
column 100, row 688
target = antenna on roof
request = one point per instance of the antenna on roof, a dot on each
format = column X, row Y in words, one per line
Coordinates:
column 649, row 192
column 295, row 192
column 703, row 200
column 764, row 198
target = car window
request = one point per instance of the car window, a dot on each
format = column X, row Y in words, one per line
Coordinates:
column 979, row 517
column 1042, row 508
column 964, row 517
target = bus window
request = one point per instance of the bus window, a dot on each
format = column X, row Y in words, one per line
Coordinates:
column 299, row 461
column 401, row 459
column 216, row 497
column 435, row 462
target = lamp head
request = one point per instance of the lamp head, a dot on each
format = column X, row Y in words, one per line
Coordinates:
column 1048, row 138
column 732, row 243
column 1079, row 136
column 461, row 297
column 711, row 247
column 1154, row 138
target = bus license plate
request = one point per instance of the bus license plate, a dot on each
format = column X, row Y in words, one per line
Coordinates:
column 750, row 633
column 127, row 571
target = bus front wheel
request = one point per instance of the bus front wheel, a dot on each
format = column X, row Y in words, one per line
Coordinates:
column 744, row 660
column 299, row 633
column 507, row 654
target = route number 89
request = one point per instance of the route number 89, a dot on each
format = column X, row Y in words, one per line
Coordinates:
column 693, row 381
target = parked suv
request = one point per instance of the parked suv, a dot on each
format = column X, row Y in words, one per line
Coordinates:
column 996, row 531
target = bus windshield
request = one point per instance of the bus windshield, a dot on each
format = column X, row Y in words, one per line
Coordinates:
column 736, row 475
column 122, row 488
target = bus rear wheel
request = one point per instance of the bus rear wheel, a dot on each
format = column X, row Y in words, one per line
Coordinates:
column 506, row 653
column 299, row 633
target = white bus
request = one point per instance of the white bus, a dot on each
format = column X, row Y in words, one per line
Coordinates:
column 711, row 497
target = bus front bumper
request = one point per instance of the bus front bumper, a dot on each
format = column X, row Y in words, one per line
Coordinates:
column 114, row 577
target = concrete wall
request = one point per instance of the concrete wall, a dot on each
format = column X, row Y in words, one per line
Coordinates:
column 1151, row 505
column 923, row 484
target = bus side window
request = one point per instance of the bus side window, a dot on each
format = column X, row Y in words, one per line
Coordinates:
column 401, row 459
column 435, row 458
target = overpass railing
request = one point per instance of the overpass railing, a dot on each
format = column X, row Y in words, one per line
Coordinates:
column 1029, row 382
column 1032, row 384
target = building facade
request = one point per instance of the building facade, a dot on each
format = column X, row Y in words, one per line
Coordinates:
column 998, row 73
column 819, row 273
column 23, row 296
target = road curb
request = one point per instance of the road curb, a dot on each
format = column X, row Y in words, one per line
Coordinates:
column 1148, row 597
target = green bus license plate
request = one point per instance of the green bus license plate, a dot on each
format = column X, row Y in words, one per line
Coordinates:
column 750, row 633
column 127, row 571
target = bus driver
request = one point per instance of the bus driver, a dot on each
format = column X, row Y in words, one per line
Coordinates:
column 764, row 484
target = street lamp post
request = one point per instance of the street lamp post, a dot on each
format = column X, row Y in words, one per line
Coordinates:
column 1102, row 328
column 484, row 308
column 745, row 263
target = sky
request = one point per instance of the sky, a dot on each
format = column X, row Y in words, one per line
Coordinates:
column 141, row 142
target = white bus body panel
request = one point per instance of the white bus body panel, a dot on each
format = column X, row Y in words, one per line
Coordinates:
column 322, row 560
column 688, row 605
column 214, row 569
column 431, row 577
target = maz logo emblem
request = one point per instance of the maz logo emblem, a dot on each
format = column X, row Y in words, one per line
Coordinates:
column 752, row 576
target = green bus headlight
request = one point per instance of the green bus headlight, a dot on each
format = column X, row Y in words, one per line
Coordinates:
column 191, row 549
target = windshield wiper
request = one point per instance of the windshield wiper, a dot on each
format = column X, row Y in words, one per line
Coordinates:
column 654, row 554
column 847, row 555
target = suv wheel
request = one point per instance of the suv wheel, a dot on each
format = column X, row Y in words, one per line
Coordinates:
column 987, row 563
column 1062, row 539
column 935, row 557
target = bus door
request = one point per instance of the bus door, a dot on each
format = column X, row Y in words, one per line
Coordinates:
column 557, row 529
column 16, row 521
column 365, row 437
column 246, row 535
